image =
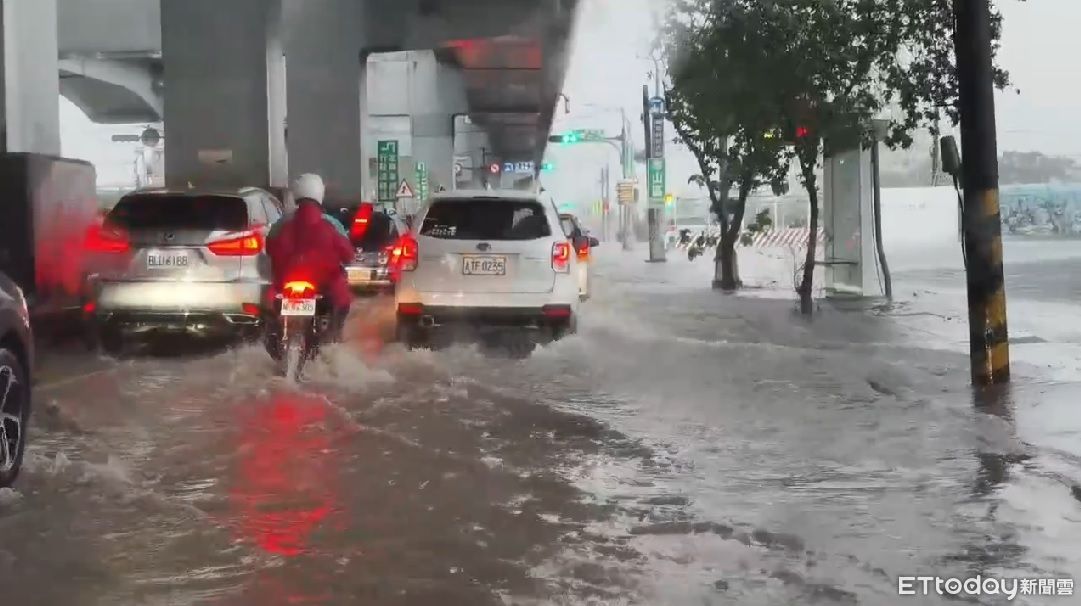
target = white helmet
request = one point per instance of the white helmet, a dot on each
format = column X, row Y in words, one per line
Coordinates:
column 309, row 187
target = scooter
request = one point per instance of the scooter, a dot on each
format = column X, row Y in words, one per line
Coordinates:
column 301, row 324
column 697, row 247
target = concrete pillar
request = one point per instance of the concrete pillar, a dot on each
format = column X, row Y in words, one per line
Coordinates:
column 30, row 77
column 324, row 84
column 222, row 87
column 438, row 95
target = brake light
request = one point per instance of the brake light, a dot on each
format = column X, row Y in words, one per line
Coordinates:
column 556, row 311
column 405, row 254
column 583, row 251
column 243, row 246
column 361, row 221
column 561, row 257
column 410, row 309
column 104, row 240
column 298, row 289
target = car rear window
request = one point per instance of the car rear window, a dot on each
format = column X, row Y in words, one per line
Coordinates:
column 380, row 234
column 486, row 219
column 209, row 213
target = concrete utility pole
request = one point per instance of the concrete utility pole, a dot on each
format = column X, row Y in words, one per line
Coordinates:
column 988, row 337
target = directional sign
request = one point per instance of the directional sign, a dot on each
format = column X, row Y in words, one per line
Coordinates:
column 656, row 181
column 404, row 191
column 387, row 177
column 657, row 137
column 656, row 105
column 422, row 180
column 625, row 191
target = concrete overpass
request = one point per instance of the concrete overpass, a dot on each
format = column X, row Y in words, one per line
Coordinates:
column 215, row 73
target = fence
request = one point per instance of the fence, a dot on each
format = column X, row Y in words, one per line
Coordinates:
column 788, row 237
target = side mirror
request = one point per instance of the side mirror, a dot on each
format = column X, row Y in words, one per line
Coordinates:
column 594, row 242
column 951, row 158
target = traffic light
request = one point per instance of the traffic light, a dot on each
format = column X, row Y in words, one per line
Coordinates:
column 669, row 199
column 548, row 166
column 802, row 131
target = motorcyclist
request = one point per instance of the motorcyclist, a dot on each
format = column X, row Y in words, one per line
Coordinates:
column 309, row 244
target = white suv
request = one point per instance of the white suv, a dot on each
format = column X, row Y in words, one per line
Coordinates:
column 483, row 262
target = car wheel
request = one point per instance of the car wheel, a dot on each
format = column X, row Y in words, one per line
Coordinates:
column 410, row 336
column 14, row 415
column 111, row 341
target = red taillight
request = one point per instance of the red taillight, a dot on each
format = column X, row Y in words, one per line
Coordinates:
column 105, row 240
column 251, row 309
column 89, row 308
column 583, row 251
column 410, row 309
column 405, row 254
column 556, row 311
column 298, row 289
column 361, row 221
column 243, row 246
column 561, row 257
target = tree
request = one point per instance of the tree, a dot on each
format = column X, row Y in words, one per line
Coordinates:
column 730, row 128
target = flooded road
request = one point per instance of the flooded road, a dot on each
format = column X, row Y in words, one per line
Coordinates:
column 684, row 448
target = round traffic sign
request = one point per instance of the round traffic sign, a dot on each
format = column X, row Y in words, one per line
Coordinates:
column 150, row 137
column 457, row 168
column 494, row 168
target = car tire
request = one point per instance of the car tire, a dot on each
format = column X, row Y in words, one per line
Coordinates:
column 410, row 336
column 14, row 400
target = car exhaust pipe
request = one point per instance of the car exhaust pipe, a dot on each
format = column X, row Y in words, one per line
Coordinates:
column 427, row 321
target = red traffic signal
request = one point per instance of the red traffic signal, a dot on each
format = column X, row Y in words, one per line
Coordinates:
column 802, row 131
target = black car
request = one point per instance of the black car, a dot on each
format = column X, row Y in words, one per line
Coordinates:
column 374, row 234
column 16, row 362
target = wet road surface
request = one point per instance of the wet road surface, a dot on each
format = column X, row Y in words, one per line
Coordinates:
column 684, row 448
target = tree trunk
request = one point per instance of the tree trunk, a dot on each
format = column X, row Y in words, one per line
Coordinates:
column 727, row 262
column 806, row 287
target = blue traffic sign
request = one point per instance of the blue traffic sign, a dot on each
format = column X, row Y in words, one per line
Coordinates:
column 656, row 104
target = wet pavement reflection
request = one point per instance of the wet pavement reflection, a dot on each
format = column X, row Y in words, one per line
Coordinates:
column 684, row 448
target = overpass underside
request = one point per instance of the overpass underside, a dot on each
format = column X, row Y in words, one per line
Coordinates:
column 253, row 91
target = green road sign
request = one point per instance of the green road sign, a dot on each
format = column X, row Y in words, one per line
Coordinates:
column 387, row 171
column 422, row 181
column 656, row 181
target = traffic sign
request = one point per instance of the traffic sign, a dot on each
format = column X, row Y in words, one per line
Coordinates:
column 494, row 168
column 150, row 137
column 656, row 105
column 422, row 180
column 458, row 168
column 625, row 191
column 656, row 181
column 404, row 191
column 657, row 136
column 387, row 170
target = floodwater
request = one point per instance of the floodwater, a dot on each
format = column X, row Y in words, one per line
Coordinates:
column 685, row 448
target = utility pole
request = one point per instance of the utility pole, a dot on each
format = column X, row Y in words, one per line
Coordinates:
column 653, row 117
column 988, row 337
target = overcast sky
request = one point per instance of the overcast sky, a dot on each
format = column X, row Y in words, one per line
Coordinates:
column 608, row 67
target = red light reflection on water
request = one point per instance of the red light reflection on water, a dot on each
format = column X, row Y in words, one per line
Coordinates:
column 282, row 489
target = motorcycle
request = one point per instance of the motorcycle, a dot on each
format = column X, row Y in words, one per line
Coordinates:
column 302, row 324
column 697, row 248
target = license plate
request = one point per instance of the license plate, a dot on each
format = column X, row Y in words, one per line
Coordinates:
column 484, row 266
column 359, row 274
column 166, row 260
column 298, row 307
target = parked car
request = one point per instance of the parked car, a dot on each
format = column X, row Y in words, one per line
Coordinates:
column 583, row 244
column 181, row 261
column 484, row 262
column 374, row 233
column 16, row 364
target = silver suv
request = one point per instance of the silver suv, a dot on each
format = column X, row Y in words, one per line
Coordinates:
column 191, row 261
column 16, row 362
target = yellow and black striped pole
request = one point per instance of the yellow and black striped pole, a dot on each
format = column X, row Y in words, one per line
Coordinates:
column 988, row 337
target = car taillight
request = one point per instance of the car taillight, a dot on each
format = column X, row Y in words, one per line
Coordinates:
column 104, row 240
column 583, row 251
column 556, row 311
column 298, row 289
column 561, row 257
column 243, row 246
column 405, row 254
column 361, row 221
column 410, row 309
